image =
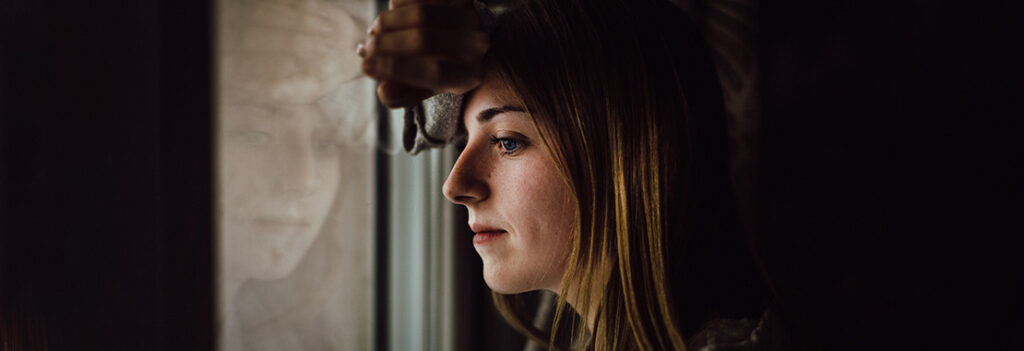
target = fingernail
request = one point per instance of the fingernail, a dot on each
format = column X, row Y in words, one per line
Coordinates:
column 361, row 49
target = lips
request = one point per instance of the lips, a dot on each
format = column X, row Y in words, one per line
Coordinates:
column 482, row 228
column 485, row 234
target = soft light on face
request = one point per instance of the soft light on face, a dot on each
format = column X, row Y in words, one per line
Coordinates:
column 519, row 206
column 279, row 174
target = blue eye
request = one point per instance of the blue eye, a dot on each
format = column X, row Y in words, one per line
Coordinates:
column 508, row 145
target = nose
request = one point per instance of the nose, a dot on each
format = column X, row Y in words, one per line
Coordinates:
column 466, row 184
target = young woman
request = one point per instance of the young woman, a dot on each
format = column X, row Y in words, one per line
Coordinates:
column 594, row 165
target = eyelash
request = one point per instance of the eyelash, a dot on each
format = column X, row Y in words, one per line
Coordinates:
column 519, row 144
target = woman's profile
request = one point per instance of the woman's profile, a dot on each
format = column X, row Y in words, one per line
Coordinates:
column 594, row 165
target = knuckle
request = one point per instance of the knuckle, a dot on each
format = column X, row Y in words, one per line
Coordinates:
column 378, row 23
column 383, row 22
column 370, row 46
column 386, row 22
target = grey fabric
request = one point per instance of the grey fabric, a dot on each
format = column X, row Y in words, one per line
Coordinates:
column 435, row 122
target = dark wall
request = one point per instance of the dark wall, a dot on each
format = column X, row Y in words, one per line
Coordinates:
column 105, row 199
column 891, row 179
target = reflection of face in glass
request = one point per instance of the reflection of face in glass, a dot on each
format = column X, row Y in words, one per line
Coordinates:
column 291, row 108
column 279, row 172
column 281, row 66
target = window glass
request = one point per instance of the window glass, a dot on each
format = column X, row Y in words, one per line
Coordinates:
column 295, row 176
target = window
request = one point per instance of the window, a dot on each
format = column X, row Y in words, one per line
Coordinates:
column 295, row 146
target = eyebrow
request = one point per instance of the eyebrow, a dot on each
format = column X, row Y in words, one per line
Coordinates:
column 487, row 114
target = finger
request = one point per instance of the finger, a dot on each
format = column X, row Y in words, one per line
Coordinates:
column 429, row 42
column 394, row 4
column 395, row 95
column 457, row 76
column 425, row 16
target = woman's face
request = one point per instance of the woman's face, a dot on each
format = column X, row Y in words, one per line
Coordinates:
column 519, row 206
column 279, row 175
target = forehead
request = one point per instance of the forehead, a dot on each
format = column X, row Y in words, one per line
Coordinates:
column 492, row 92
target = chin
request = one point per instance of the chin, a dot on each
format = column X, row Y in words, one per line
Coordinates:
column 507, row 281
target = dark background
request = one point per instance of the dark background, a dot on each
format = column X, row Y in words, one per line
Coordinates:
column 889, row 187
column 891, row 180
column 105, row 188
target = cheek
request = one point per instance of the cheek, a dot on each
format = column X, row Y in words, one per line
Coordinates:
column 544, row 213
column 543, row 195
column 544, row 204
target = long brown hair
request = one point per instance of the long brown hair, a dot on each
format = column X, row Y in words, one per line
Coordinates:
column 626, row 98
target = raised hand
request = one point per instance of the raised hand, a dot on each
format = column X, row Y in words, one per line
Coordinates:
column 420, row 48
